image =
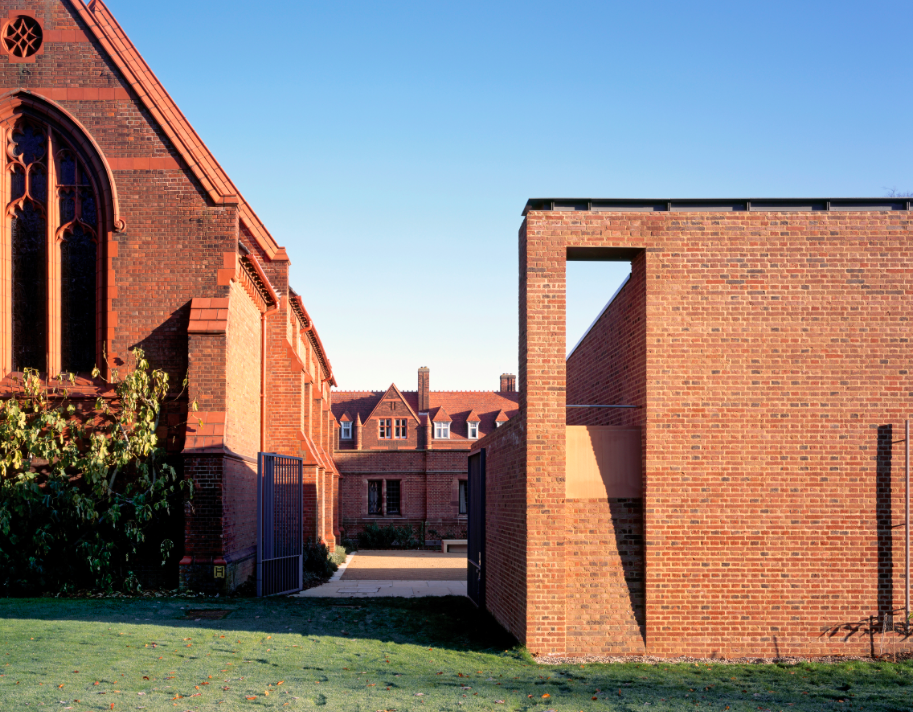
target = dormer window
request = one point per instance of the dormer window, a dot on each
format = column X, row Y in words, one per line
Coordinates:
column 473, row 431
column 442, row 431
column 499, row 424
column 346, row 433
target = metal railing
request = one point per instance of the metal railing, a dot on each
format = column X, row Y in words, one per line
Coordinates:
column 280, row 522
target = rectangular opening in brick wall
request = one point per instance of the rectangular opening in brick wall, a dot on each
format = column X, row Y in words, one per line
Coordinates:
column 604, row 448
column 590, row 285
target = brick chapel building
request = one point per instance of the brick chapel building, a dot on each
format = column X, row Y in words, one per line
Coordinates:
column 401, row 455
column 748, row 497
column 121, row 229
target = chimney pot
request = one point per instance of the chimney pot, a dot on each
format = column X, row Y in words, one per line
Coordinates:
column 508, row 383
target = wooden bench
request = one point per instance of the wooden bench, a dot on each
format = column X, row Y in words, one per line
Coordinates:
column 454, row 546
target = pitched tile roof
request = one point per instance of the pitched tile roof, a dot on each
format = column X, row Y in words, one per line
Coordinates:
column 441, row 416
column 391, row 393
column 473, row 417
column 488, row 406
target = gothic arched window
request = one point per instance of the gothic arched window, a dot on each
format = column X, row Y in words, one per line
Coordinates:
column 53, row 247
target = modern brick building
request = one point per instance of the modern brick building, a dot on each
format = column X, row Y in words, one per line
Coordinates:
column 122, row 230
column 764, row 346
column 401, row 455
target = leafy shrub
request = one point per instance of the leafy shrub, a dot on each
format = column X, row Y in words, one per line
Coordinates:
column 388, row 536
column 339, row 556
column 78, row 495
column 317, row 559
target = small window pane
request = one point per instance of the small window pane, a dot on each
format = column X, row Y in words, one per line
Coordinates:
column 29, row 288
column 464, row 498
column 393, row 497
column 77, row 301
column 374, row 497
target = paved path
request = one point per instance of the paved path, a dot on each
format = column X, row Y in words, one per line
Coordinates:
column 406, row 566
column 377, row 589
column 401, row 574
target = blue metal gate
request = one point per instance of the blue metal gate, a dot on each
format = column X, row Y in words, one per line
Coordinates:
column 280, row 520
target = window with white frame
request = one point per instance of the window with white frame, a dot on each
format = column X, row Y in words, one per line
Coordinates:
column 499, row 424
column 399, row 429
column 346, row 433
column 442, row 431
column 385, row 426
column 473, row 430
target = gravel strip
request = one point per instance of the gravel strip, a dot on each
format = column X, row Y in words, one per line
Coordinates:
column 650, row 660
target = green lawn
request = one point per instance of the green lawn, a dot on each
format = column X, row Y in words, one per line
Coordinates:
column 367, row 655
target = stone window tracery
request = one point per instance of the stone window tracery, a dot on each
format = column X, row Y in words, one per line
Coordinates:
column 23, row 37
column 53, row 244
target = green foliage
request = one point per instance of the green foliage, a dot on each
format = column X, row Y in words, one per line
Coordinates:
column 317, row 559
column 79, row 492
column 339, row 556
column 388, row 536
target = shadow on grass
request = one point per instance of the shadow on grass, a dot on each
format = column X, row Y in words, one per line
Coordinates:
column 447, row 622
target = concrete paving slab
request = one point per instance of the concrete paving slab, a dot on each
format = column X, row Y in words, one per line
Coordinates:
column 378, row 589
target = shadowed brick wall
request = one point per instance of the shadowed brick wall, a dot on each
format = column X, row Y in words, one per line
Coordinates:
column 429, row 491
column 505, row 561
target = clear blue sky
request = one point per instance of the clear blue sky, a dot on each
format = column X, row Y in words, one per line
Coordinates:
column 391, row 146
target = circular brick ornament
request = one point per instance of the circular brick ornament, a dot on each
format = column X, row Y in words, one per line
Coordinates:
column 23, row 36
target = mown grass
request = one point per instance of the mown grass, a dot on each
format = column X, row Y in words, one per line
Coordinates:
column 368, row 655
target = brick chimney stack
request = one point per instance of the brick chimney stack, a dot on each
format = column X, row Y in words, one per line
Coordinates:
column 424, row 389
column 508, row 383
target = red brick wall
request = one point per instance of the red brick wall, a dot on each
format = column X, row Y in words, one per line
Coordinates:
column 206, row 354
column 505, row 560
column 165, row 210
column 239, row 525
column 776, row 374
column 371, row 439
column 284, row 382
column 605, row 577
column 428, row 490
column 203, row 513
column 171, row 251
column 242, row 432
